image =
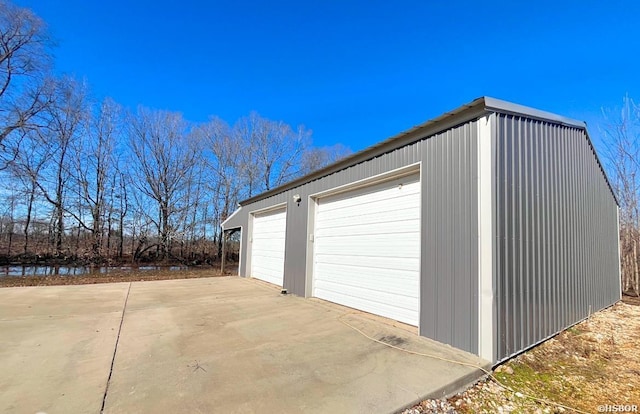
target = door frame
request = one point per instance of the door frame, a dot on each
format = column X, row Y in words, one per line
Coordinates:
column 252, row 214
column 313, row 200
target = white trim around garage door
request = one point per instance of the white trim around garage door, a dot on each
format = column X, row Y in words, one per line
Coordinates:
column 343, row 274
column 268, row 245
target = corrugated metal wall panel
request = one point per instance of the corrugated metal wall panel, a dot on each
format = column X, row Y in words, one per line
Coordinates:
column 556, row 232
column 449, row 229
column 449, row 287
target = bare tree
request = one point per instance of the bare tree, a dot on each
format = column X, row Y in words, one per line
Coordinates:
column 94, row 171
column 66, row 160
column 315, row 158
column 163, row 159
column 67, row 118
column 8, row 222
column 25, row 91
column 225, row 152
column 122, row 183
column 245, row 135
column 195, row 202
column 273, row 151
column 622, row 156
column 25, row 171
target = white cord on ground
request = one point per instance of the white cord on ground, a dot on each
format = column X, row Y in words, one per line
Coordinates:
column 468, row 364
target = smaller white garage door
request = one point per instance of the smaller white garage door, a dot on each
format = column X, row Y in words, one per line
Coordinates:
column 267, row 246
column 367, row 249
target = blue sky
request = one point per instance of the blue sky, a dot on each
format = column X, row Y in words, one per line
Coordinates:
column 355, row 72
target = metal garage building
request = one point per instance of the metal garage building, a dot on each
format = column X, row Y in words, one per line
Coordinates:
column 490, row 228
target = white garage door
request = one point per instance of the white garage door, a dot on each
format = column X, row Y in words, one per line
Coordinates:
column 267, row 246
column 367, row 249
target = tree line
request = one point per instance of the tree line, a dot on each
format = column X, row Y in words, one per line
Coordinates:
column 87, row 180
column 621, row 144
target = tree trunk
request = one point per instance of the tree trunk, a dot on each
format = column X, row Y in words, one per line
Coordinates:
column 27, row 221
column 164, row 248
column 59, row 230
column 109, row 235
column 10, row 240
column 96, row 241
column 121, row 237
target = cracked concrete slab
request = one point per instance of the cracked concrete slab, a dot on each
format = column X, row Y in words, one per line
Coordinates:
column 56, row 346
column 212, row 345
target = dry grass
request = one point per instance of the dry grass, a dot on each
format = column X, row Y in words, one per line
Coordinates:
column 594, row 363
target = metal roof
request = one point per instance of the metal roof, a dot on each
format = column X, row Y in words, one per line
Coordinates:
column 497, row 105
column 464, row 113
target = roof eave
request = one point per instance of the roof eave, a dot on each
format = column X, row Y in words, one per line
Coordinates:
column 497, row 105
column 450, row 119
column 464, row 113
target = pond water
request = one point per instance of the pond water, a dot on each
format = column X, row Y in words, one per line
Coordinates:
column 76, row 270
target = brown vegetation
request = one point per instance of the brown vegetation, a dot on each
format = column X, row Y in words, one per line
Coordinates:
column 115, row 276
column 594, row 363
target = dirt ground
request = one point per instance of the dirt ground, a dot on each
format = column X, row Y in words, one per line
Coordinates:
column 110, row 277
column 589, row 368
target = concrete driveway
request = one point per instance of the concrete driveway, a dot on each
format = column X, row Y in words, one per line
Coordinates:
column 208, row 345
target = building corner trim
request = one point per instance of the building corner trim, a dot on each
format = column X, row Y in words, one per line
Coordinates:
column 485, row 241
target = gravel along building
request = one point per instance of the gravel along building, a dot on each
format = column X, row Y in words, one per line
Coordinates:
column 490, row 228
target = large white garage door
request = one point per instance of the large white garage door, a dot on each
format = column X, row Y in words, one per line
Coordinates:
column 367, row 249
column 267, row 246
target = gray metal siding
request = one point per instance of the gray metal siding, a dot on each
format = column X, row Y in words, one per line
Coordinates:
column 555, row 251
column 449, row 288
column 556, row 232
column 449, row 228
